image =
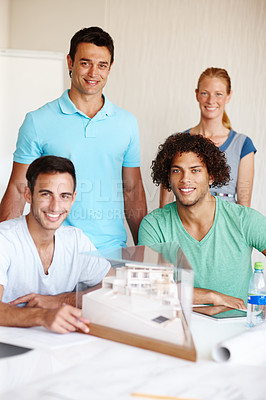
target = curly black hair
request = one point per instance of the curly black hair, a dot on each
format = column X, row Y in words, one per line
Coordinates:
column 204, row 148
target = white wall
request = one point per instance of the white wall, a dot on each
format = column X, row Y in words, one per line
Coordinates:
column 161, row 48
column 50, row 24
column 28, row 79
column 4, row 23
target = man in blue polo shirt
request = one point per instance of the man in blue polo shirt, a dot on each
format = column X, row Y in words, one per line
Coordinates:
column 101, row 139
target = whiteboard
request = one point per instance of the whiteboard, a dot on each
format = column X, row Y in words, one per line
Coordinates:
column 28, row 79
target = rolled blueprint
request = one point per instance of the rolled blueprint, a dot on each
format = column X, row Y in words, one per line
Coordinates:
column 247, row 348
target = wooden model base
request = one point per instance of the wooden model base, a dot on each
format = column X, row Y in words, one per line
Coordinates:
column 187, row 353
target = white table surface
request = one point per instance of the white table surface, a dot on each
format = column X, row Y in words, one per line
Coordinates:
column 93, row 368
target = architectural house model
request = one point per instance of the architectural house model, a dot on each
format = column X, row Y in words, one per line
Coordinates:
column 147, row 303
column 140, row 299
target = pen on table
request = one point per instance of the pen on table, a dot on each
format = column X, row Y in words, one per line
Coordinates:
column 154, row 396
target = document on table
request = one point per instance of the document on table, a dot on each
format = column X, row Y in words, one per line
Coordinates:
column 40, row 338
column 124, row 374
column 247, row 348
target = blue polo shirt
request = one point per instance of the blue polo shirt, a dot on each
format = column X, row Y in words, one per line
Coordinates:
column 98, row 147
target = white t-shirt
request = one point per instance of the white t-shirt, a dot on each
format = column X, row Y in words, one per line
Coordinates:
column 21, row 269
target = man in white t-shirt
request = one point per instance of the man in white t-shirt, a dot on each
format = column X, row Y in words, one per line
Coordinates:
column 41, row 261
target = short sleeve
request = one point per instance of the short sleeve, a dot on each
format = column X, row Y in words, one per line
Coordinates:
column 148, row 234
column 132, row 154
column 254, row 228
column 248, row 147
column 27, row 147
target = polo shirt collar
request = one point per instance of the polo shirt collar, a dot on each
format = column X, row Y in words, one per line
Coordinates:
column 67, row 107
column 108, row 107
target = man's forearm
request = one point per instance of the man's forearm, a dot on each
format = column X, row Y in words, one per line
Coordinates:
column 33, row 300
column 12, row 204
column 65, row 298
column 134, row 216
column 73, row 299
column 61, row 320
column 135, row 205
column 202, row 296
column 206, row 296
column 21, row 317
column 135, row 210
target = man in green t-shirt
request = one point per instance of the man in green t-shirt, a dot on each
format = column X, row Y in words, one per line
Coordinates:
column 216, row 236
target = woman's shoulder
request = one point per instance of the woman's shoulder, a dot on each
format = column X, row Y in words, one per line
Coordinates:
column 242, row 141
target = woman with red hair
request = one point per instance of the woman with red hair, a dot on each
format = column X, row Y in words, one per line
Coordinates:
column 213, row 93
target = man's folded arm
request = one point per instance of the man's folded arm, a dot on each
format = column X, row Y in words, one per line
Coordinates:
column 61, row 320
column 206, row 296
column 13, row 201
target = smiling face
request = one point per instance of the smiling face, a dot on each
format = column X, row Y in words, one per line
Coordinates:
column 212, row 97
column 189, row 179
column 90, row 69
column 51, row 201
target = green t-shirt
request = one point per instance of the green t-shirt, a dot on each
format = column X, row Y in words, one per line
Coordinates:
column 222, row 259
